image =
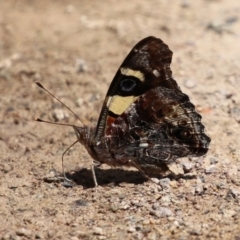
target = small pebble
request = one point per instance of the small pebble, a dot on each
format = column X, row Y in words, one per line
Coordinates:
column 189, row 83
column 187, row 167
column 166, row 200
column 163, row 212
column 195, row 232
column 152, row 236
column 39, row 235
column 97, row 231
column 155, row 206
column 74, row 238
column 176, row 169
column 199, row 189
column 176, row 223
column 155, row 180
column 7, row 236
column 229, row 213
column 24, row 232
column 236, row 216
column 136, row 203
column 213, row 161
column 164, row 182
column 235, row 193
column 131, row 229
column 101, row 237
column 6, row 167
column 171, row 218
column 59, row 114
column 210, row 169
column 191, row 174
column 146, row 222
column 81, row 65
column 79, row 102
column 124, row 207
column 197, row 206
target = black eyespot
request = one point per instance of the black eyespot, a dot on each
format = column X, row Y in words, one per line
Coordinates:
column 127, row 85
column 186, row 134
column 183, row 123
column 183, row 134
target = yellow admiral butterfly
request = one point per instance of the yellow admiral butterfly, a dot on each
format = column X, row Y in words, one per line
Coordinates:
column 146, row 121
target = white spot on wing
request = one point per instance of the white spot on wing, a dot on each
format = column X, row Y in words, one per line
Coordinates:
column 109, row 101
column 143, row 145
column 156, row 73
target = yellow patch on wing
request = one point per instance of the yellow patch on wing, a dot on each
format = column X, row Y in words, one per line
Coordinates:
column 133, row 73
column 119, row 104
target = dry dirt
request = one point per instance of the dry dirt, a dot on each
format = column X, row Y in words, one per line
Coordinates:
column 74, row 49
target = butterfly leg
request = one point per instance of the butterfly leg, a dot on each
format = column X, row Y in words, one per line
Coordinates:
column 162, row 167
column 94, row 175
column 140, row 170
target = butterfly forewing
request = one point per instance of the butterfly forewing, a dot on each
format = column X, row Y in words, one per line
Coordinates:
column 147, row 66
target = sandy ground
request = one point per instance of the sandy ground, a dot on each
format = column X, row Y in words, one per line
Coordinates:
column 74, row 49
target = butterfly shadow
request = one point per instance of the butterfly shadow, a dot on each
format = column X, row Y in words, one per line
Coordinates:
column 114, row 176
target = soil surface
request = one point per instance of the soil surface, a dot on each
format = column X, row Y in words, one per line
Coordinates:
column 74, row 49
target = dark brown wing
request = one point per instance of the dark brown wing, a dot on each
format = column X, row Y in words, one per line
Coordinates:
column 147, row 66
column 160, row 126
column 152, row 57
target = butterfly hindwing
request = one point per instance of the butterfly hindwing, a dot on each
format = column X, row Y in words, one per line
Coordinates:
column 160, row 126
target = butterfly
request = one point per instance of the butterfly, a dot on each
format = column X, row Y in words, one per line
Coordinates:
column 146, row 121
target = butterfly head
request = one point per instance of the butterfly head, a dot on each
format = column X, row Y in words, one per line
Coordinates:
column 83, row 134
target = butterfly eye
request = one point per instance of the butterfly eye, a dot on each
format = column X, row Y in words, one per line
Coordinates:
column 127, row 85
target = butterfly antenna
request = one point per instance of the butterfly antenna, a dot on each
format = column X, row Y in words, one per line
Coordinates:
column 39, row 120
column 63, row 124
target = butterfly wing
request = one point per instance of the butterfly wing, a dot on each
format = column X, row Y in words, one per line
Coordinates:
column 147, row 66
column 159, row 127
column 145, row 117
